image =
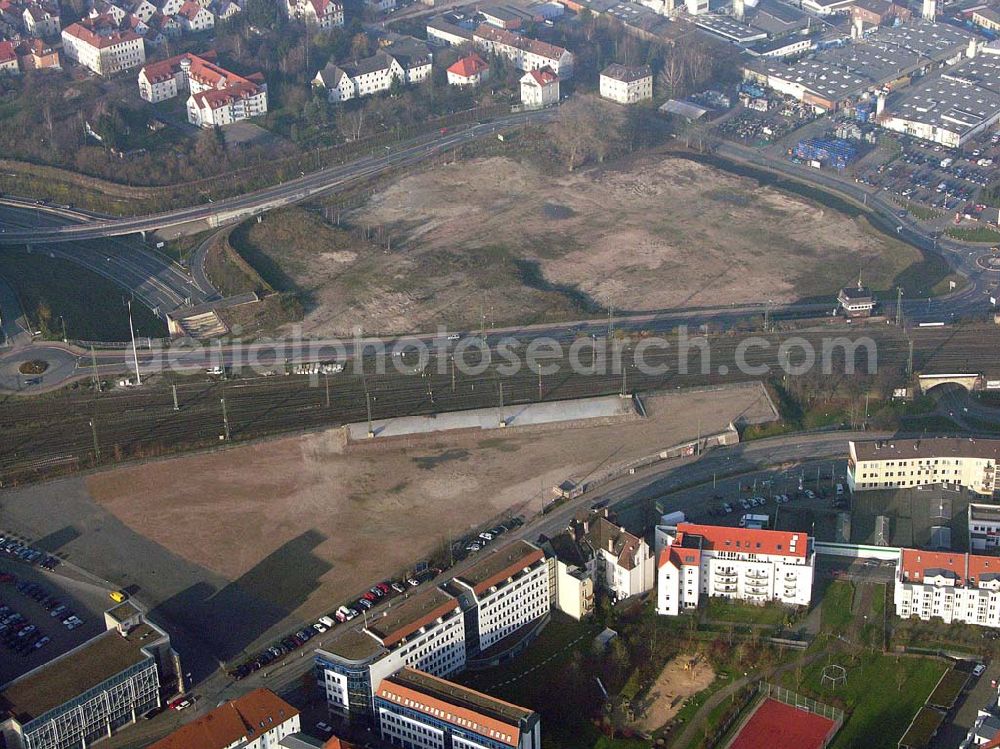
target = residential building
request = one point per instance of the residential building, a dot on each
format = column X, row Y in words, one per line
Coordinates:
column 526, row 54
column 470, row 70
column 984, row 527
column 696, row 7
column 625, row 565
column 446, row 34
column 258, row 720
column 627, row 84
column 381, row 6
column 238, row 101
column 899, row 463
column 372, row 75
column 8, row 58
column 757, row 566
column 572, row 569
column 97, row 44
column 226, row 10
column 425, row 631
column 194, row 18
column 987, row 18
column 419, row 711
column 878, row 12
column 34, row 54
column 42, row 21
column 539, row 88
column 949, row 586
column 323, row 14
column 506, row 598
column 856, row 301
column 190, row 73
column 91, row 691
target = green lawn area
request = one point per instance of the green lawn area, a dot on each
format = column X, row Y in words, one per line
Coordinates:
column 90, row 304
column 881, row 696
column 836, row 611
column 979, row 234
column 723, row 610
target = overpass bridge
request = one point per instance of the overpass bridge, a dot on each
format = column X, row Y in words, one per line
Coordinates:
column 969, row 380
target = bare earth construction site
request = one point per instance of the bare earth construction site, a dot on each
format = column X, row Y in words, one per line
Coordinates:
column 234, row 545
column 501, row 237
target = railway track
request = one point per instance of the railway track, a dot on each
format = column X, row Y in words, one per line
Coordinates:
column 45, row 435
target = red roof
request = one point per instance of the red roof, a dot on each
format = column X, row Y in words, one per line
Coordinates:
column 535, row 46
column 245, row 717
column 469, row 66
column 219, row 99
column 917, row 565
column 90, row 32
column 543, row 76
column 7, row 52
column 745, row 540
column 190, row 10
column 680, row 557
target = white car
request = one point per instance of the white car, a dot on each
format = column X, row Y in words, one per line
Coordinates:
column 979, row 670
column 319, row 628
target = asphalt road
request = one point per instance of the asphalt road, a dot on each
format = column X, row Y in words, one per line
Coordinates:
column 293, row 191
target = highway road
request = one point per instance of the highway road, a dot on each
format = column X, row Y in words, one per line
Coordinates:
column 293, row 191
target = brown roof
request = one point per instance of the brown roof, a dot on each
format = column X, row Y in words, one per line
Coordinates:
column 400, row 621
column 502, row 36
column 455, row 704
column 70, row 675
column 497, row 566
column 935, row 447
column 615, row 539
column 89, row 32
column 245, row 718
column 543, row 76
column 7, row 52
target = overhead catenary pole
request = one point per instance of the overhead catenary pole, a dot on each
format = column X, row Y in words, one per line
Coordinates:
column 176, row 404
column 97, row 446
column 225, row 418
column 135, row 352
column 97, row 376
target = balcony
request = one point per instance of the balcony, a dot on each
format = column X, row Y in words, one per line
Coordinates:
column 718, row 588
column 726, row 574
column 757, row 576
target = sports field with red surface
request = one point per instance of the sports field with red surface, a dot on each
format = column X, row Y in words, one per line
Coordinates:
column 776, row 725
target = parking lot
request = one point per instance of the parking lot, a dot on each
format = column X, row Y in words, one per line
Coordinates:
column 36, row 616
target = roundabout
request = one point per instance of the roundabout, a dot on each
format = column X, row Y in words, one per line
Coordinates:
column 989, row 262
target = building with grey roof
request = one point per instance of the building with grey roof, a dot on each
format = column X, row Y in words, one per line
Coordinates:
column 729, row 28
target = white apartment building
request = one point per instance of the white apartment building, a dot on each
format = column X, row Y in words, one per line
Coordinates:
column 507, row 590
column 425, row 631
column 905, row 463
column 191, row 73
column 40, row 20
column 194, row 18
column 258, row 720
column 526, row 54
column 572, row 570
column 323, row 14
column 539, row 88
column 99, row 46
column 217, row 108
column 756, row 566
column 627, row 84
column 625, row 565
column 949, row 586
column 984, row 527
column 419, row 711
column 372, row 75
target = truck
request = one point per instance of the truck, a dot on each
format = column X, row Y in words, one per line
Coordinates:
column 947, row 162
column 757, row 522
column 673, row 518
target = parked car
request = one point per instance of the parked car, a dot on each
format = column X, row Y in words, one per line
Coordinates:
column 979, row 670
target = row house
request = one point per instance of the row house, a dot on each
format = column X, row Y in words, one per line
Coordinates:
column 908, row 463
column 322, row 14
column 372, row 75
column 953, row 587
column 525, row 53
column 756, row 566
column 98, row 44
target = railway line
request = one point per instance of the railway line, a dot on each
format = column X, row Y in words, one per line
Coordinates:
column 44, row 435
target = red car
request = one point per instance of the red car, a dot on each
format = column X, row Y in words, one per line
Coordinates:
column 384, row 587
column 369, row 596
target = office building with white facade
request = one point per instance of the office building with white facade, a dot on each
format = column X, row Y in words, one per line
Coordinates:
column 416, row 710
column 905, row 463
column 756, row 566
column 258, row 720
column 92, row 691
column 425, row 631
column 97, row 44
column 950, row 586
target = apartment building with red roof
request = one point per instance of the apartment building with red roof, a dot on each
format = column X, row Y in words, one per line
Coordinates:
column 258, row 720
column 322, row 14
column 758, row 566
column 951, row 586
column 100, row 45
column 525, row 53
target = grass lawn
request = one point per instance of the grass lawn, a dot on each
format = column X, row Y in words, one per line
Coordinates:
column 721, row 609
column 881, row 696
column 979, row 234
column 90, row 304
column 836, row 611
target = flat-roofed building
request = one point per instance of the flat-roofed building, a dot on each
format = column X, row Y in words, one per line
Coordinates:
column 504, row 594
column 426, row 631
column 91, row 691
column 950, row 586
column 258, row 720
column 987, row 18
column 419, row 711
column 757, row 566
column 984, row 527
column 902, row 463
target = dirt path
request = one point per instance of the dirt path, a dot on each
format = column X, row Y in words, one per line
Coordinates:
column 681, row 678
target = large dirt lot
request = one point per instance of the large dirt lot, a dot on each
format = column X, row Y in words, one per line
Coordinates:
column 681, row 678
column 236, row 545
column 503, row 238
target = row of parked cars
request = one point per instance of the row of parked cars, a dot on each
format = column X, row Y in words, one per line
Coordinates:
column 23, row 636
column 472, row 544
column 18, row 550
